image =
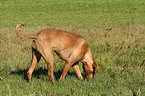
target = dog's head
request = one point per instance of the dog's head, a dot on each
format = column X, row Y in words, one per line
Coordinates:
column 90, row 72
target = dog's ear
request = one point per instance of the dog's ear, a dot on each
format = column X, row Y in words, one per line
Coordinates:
column 95, row 68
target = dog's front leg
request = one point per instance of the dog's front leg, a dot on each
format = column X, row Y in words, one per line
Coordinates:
column 77, row 71
column 67, row 66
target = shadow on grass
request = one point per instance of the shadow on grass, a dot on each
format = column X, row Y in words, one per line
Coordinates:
column 40, row 71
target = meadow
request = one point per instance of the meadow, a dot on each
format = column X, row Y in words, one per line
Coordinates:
column 114, row 30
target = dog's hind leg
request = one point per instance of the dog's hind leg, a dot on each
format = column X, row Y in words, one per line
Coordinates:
column 49, row 61
column 47, row 54
column 36, row 56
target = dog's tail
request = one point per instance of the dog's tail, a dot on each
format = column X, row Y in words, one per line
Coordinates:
column 25, row 36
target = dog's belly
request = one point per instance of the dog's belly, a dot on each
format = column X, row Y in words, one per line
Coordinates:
column 64, row 54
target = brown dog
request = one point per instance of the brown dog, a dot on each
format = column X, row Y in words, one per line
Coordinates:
column 69, row 46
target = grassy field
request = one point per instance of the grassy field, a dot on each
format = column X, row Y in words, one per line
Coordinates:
column 114, row 30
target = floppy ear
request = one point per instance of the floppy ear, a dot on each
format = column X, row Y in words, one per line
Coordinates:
column 95, row 68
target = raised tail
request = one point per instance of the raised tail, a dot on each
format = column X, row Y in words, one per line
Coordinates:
column 24, row 36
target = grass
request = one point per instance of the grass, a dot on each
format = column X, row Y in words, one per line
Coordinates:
column 114, row 30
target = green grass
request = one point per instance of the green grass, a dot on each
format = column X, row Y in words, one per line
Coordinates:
column 114, row 30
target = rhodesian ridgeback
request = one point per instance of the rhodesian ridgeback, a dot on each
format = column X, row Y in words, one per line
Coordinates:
column 69, row 46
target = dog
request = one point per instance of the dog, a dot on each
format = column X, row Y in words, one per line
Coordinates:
column 68, row 46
